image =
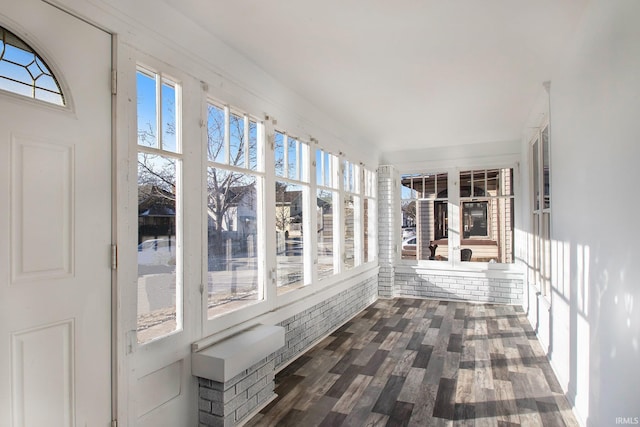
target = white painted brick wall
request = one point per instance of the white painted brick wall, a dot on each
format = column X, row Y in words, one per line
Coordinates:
column 226, row 404
column 387, row 220
column 307, row 327
column 467, row 288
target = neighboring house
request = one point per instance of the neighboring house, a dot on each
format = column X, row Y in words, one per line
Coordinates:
column 156, row 213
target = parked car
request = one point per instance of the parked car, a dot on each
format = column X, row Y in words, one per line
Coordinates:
column 408, row 232
column 409, row 247
column 157, row 252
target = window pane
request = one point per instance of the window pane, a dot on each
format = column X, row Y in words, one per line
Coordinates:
column 293, row 159
column 279, row 154
column 236, row 140
column 147, row 123
column 330, row 166
column 474, row 219
column 545, row 247
column 158, row 256
column 479, row 182
column 465, row 184
column 326, row 233
column 369, row 230
column 290, row 214
column 369, row 183
column 350, row 180
column 487, row 225
column 320, row 168
column 442, row 186
column 327, row 166
column 497, row 244
column 356, row 178
column 536, row 175
column 253, row 145
column 169, row 117
column 535, row 243
column 232, row 233
column 349, row 231
column 424, row 220
column 47, row 96
column 441, row 220
column 215, row 134
column 545, row 167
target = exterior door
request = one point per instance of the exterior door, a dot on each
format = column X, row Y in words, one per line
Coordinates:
column 55, row 228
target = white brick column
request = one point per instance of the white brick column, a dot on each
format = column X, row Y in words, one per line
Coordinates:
column 388, row 220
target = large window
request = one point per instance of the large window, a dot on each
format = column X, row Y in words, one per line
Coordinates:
column 291, row 212
column 425, row 224
column 159, row 207
column 246, row 216
column 328, row 262
column 486, row 210
column 540, row 271
column 484, row 203
column 234, row 210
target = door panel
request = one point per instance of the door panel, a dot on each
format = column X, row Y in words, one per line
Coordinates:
column 55, row 219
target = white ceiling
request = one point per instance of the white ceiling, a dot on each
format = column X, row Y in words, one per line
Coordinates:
column 404, row 74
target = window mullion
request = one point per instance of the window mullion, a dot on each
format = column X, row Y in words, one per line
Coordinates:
column 246, row 141
column 311, row 225
column 159, row 110
column 270, row 239
column 322, row 171
column 454, row 218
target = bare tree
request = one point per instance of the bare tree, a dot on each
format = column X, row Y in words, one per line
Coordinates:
column 228, row 189
column 409, row 211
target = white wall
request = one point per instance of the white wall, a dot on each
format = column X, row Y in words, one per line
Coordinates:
column 593, row 326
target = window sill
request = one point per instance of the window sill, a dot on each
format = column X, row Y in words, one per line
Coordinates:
column 448, row 267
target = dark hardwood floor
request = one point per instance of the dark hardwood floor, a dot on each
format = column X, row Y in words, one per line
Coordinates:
column 415, row 362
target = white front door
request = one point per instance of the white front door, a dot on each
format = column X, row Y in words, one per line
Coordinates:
column 55, row 229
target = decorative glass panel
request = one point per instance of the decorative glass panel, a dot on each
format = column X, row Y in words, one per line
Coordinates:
column 24, row 72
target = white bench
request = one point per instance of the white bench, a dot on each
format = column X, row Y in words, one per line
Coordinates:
column 227, row 358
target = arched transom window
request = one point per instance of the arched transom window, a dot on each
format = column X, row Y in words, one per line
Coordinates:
column 24, row 72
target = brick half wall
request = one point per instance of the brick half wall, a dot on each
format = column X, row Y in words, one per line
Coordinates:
column 309, row 326
column 459, row 285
